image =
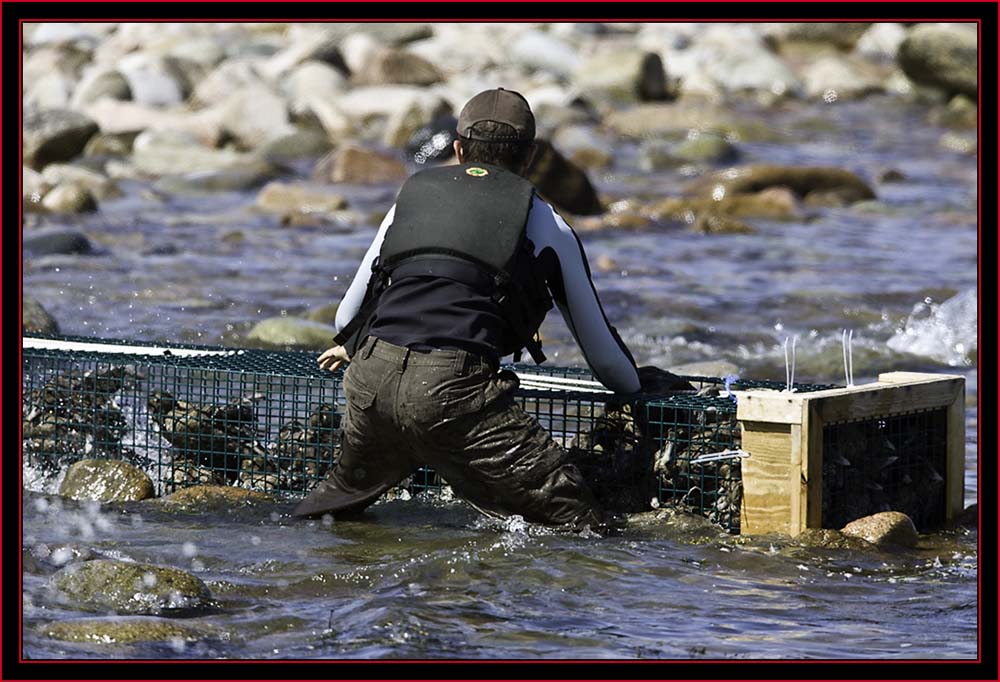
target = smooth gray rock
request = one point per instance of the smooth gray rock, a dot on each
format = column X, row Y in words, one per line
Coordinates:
column 287, row 198
column 622, row 76
column 292, row 332
column 842, row 35
column 885, row 529
column 943, row 56
column 106, row 480
column 35, row 319
column 298, row 144
column 53, row 135
column 118, row 630
column 55, row 241
column 706, row 148
column 397, row 67
column 98, row 83
column 70, row 197
column 150, row 81
column 93, row 181
column 129, row 588
column 542, row 51
column 255, row 115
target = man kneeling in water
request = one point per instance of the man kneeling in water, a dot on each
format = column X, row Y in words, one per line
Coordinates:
column 461, row 273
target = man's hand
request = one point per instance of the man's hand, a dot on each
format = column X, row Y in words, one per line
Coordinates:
column 332, row 358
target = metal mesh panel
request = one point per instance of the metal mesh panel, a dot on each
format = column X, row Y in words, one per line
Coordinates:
column 269, row 420
column 893, row 463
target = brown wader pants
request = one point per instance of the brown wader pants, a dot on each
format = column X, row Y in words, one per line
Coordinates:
column 452, row 411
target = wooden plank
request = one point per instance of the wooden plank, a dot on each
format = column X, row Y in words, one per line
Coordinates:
column 776, row 407
column 767, row 496
column 812, row 434
column 955, row 467
column 795, row 478
column 887, row 399
column 914, row 377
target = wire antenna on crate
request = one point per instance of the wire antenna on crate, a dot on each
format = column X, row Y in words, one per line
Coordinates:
column 846, row 340
column 790, row 368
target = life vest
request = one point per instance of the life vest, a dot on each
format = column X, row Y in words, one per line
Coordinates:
column 466, row 223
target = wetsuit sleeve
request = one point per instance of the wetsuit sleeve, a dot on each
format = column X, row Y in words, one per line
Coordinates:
column 574, row 293
column 351, row 303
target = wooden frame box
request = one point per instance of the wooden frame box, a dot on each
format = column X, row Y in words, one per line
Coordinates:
column 783, row 434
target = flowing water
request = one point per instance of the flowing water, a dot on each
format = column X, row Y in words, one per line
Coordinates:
column 429, row 578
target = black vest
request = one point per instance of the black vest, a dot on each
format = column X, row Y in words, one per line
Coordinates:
column 464, row 223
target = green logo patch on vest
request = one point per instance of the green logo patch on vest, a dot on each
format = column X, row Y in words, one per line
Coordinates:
column 477, row 172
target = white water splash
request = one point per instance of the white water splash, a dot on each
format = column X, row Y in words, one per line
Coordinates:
column 945, row 332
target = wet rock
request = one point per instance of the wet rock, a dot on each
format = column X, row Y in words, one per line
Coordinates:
column 605, row 263
column 960, row 112
column 69, row 198
column 122, row 630
column 33, row 189
column 361, row 165
column 584, row 146
column 298, row 144
column 801, row 180
column 562, row 183
column 776, row 203
column 626, row 75
column 106, row 480
column 214, row 436
column 48, row 559
column 842, row 35
column 885, row 529
column 657, row 155
column 891, row 175
column 98, row 83
column 254, row 115
column 304, row 453
column 209, row 497
column 968, row 518
column 944, row 56
column 286, row 199
column 541, row 51
column 326, row 313
column 224, row 180
column 129, row 588
column 826, row 538
column 53, row 135
column 55, row 241
column 963, row 144
column 35, row 319
column 97, row 184
column 706, row 148
column 292, row 332
column 397, row 67
column 719, row 223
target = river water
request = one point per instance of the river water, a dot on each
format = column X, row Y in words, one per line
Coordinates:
column 429, row 578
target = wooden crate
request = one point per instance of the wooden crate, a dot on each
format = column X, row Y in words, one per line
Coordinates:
column 784, row 436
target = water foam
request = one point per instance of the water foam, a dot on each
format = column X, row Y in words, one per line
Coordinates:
column 945, row 332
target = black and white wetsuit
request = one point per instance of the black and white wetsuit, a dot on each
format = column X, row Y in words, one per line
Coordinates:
column 430, row 312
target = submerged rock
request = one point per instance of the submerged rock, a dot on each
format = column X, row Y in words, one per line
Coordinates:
column 293, row 331
column 943, row 56
column 206, row 497
column 827, row 538
column 707, row 148
column 123, row 630
column 801, row 180
column 131, row 588
column 885, row 529
column 106, row 480
column 35, row 319
column 55, row 241
column 53, row 135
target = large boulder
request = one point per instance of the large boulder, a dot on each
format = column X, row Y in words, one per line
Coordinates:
column 885, row 529
column 118, row 630
column 774, row 203
column 842, row 35
column 254, row 115
column 737, row 59
column 52, row 135
column 176, row 153
column 361, row 165
column 562, row 183
column 129, row 588
column 397, row 67
column 131, row 118
column 804, row 181
column 106, row 480
column 35, row 319
column 312, row 82
column 942, row 55
column 292, row 332
column 626, row 75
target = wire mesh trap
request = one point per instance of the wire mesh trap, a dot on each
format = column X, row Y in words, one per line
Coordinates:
column 269, row 420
